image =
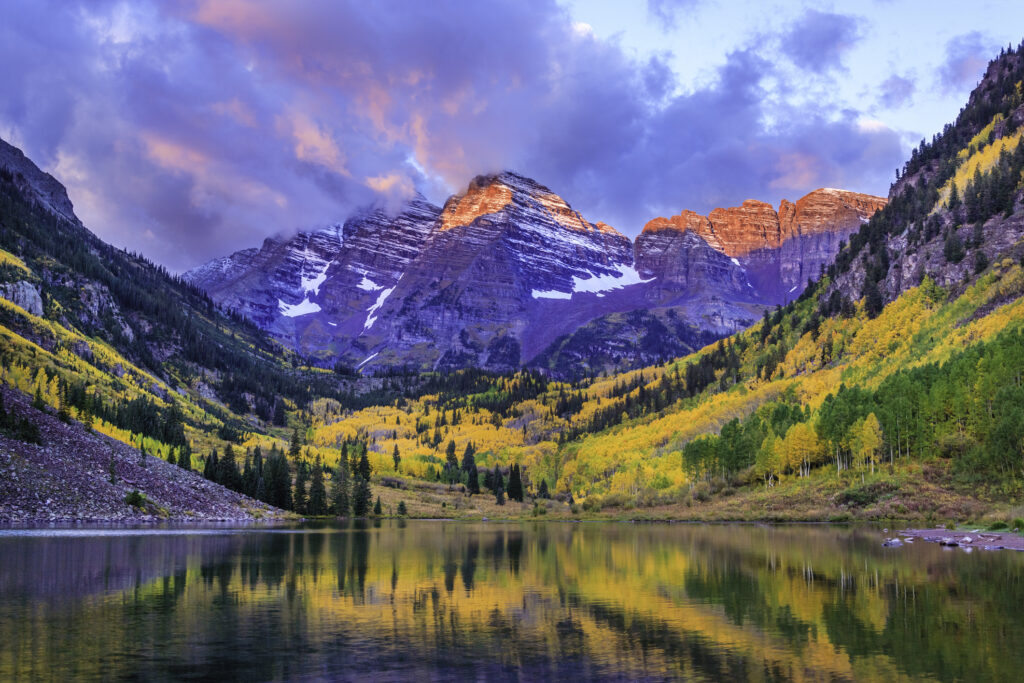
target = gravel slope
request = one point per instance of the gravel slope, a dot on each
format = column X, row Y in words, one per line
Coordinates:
column 67, row 479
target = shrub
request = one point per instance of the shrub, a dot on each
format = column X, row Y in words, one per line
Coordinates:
column 997, row 525
column 1018, row 523
column 135, row 499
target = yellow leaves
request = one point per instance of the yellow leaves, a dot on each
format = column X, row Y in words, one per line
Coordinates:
column 984, row 157
column 9, row 259
column 801, row 446
column 866, row 439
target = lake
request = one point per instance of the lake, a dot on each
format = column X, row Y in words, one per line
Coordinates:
column 432, row 600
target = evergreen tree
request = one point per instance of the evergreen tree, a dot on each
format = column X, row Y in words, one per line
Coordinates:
column 498, row 482
column 362, row 496
column 171, row 460
column 143, row 463
column 396, row 457
column 542, row 491
column 450, row 458
column 953, row 249
column 185, row 457
column 402, row 510
column 248, row 475
column 317, row 504
column 341, row 491
column 301, row 479
column 278, row 480
column 210, row 469
column 515, row 484
column 112, row 470
column 470, row 468
column 280, row 419
column 227, row 470
column 377, row 508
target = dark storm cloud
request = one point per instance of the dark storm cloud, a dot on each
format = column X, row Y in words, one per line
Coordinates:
column 967, row 56
column 188, row 131
column 818, row 40
column 896, row 91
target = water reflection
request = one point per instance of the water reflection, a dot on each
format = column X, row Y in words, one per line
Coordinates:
column 440, row 600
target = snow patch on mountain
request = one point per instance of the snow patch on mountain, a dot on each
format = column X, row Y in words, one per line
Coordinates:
column 368, row 285
column 304, row 307
column 370, row 317
column 595, row 284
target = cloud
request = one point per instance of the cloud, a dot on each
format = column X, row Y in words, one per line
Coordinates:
column 818, row 40
column 896, row 91
column 666, row 12
column 967, row 56
column 189, row 130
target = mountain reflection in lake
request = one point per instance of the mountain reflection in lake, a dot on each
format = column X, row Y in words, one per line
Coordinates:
column 496, row 601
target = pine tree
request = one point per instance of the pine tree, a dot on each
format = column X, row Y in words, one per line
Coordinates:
column 301, row 478
column 227, row 470
column 377, row 509
column 210, row 467
column 171, row 460
column 515, row 484
column 542, row 491
column 143, row 463
column 402, row 510
column 362, row 496
column 469, row 467
column 498, row 482
column 185, row 457
column 396, row 457
column 317, row 494
column 248, row 475
column 341, row 491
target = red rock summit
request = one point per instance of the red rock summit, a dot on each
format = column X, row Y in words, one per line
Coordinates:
column 741, row 230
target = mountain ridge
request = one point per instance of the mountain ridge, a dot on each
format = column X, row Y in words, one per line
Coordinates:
column 560, row 272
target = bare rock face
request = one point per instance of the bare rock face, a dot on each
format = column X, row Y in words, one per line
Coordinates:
column 778, row 251
column 23, row 294
column 507, row 274
column 42, row 187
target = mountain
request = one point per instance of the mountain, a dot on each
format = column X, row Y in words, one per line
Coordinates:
column 891, row 388
column 507, row 274
column 102, row 346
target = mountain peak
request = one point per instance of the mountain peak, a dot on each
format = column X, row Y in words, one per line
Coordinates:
column 42, row 187
column 506, row 191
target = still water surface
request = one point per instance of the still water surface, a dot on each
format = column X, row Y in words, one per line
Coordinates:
column 495, row 601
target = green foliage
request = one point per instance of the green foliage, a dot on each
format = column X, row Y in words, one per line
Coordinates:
column 135, row 499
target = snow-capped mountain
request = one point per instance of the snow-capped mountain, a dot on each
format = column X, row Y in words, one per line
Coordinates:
column 507, row 274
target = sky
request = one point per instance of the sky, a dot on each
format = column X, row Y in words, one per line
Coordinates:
column 187, row 130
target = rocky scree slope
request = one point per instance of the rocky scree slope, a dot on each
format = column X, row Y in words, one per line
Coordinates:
column 67, row 478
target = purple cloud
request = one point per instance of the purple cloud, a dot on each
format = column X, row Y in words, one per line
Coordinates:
column 896, row 91
column 967, row 56
column 818, row 40
column 188, row 131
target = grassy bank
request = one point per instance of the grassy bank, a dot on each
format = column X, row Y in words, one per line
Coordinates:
column 919, row 493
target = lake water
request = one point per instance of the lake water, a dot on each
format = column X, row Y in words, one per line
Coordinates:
column 505, row 601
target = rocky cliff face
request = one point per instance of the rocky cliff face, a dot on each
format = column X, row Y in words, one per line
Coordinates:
column 508, row 273
column 777, row 251
column 41, row 187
